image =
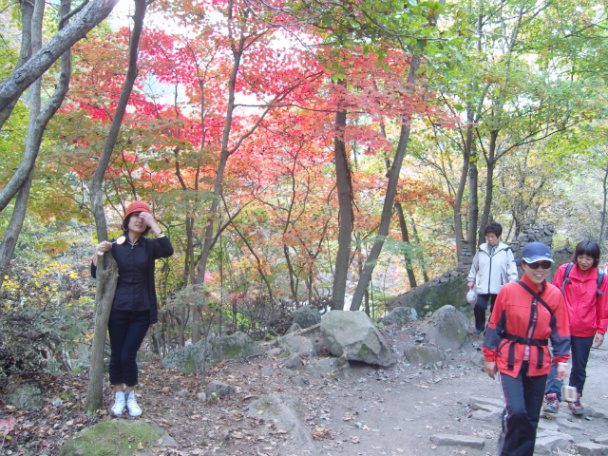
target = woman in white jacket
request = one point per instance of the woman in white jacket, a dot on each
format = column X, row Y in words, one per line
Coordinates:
column 493, row 266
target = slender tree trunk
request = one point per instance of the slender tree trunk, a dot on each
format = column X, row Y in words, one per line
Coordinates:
column 389, row 199
column 103, row 299
column 38, row 120
column 86, row 20
column 107, row 279
column 491, row 164
column 40, row 61
column 27, row 10
column 96, row 191
column 406, row 238
column 603, row 232
column 346, row 216
column 472, row 237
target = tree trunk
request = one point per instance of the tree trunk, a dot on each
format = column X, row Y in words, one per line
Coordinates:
column 38, row 120
column 12, row 87
column 107, row 279
column 406, row 238
column 43, row 59
column 473, row 239
column 603, row 228
column 491, row 164
column 103, row 299
column 346, row 216
column 27, row 10
column 389, row 199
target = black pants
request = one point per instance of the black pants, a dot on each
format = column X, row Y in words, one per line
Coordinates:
column 580, row 346
column 127, row 331
column 524, row 398
column 483, row 302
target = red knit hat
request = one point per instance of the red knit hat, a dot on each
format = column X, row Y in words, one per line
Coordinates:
column 137, row 206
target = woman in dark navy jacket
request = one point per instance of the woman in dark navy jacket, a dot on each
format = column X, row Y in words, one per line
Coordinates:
column 135, row 307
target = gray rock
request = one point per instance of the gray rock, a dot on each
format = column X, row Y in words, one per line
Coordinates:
column 220, row 389
column 26, row 397
column 274, row 351
column 293, row 328
column 294, row 362
column 401, row 316
column 235, row 346
column 297, row 345
column 549, row 443
column 352, row 335
column 596, row 412
column 318, row 344
column 591, row 449
column 286, row 413
column 118, row 438
column 449, row 289
column 306, row 316
column 194, row 358
column 190, row 359
column 424, row 354
column 458, row 440
column 567, row 425
column 447, row 328
column 487, row 409
column 601, row 439
column 320, row 366
column 299, row 381
column 487, row 403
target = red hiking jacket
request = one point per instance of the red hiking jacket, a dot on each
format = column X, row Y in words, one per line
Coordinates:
column 511, row 319
column 585, row 307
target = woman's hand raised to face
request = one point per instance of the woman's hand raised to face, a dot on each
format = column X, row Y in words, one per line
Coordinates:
column 149, row 221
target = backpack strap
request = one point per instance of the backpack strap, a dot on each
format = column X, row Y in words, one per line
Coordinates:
column 566, row 276
column 600, row 278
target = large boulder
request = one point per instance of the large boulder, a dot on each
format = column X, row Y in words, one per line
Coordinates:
column 352, row 334
column 298, row 345
column 118, row 438
column 424, row 355
column 448, row 289
column 194, row 358
column 400, row 316
column 190, row 359
column 26, row 397
column 306, row 316
column 447, row 328
column 235, row 346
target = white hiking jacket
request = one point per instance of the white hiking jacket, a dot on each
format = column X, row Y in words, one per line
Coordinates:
column 490, row 273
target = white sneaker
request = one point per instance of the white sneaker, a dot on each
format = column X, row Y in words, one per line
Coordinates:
column 119, row 403
column 134, row 409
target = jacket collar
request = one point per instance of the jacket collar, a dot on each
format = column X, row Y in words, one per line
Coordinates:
column 532, row 285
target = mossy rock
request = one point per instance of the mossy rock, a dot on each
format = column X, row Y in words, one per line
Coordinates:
column 118, row 438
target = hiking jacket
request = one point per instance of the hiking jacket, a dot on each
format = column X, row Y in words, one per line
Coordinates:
column 512, row 317
column 136, row 290
column 491, row 272
column 586, row 309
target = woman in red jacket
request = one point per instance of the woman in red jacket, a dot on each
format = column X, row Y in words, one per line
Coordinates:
column 526, row 315
column 586, row 301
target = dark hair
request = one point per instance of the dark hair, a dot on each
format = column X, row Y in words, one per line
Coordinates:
column 493, row 227
column 125, row 224
column 589, row 248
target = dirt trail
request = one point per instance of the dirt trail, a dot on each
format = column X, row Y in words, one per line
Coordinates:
column 363, row 411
